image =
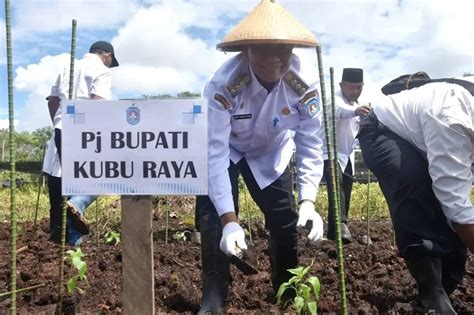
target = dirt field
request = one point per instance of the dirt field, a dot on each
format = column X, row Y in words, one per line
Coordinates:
column 377, row 281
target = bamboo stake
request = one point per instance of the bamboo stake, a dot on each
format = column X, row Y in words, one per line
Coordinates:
column 249, row 219
column 64, row 212
column 336, row 185
column 5, row 294
column 331, row 167
column 11, row 119
column 368, row 207
column 167, row 214
column 40, row 187
column 97, row 221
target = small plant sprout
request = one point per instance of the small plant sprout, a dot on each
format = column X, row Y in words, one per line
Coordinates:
column 182, row 236
column 306, row 289
column 75, row 258
column 112, row 237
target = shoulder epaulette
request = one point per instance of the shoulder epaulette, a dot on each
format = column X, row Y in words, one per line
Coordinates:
column 296, row 83
column 238, row 85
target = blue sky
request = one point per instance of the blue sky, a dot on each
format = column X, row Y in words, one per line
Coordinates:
column 168, row 46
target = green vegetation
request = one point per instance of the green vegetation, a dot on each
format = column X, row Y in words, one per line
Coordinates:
column 182, row 208
column 306, row 289
column 112, row 238
column 29, row 145
column 74, row 257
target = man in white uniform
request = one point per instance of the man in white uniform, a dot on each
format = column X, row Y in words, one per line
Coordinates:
column 259, row 108
column 348, row 111
column 92, row 81
column 419, row 144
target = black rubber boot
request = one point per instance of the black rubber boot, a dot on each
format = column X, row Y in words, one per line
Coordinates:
column 215, row 266
column 427, row 273
column 345, row 232
column 454, row 268
column 283, row 256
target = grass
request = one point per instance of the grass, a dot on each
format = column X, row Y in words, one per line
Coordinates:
column 104, row 214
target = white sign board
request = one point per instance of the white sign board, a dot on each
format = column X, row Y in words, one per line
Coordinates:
column 134, row 147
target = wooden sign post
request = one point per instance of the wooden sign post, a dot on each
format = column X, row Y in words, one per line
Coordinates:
column 143, row 148
column 138, row 281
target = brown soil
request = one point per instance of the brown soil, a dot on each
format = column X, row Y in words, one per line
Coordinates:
column 376, row 278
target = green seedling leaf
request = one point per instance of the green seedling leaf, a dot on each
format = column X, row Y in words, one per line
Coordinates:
column 303, row 284
column 314, row 281
column 299, row 304
column 71, row 285
column 313, row 308
column 281, row 289
column 305, row 292
column 112, row 238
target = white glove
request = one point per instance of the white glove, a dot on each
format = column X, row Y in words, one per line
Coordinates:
column 233, row 238
column 307, row 213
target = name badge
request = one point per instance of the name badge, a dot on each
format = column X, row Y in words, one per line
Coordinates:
column 242, row 116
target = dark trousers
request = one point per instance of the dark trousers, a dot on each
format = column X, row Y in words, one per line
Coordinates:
column 56, row 201
column 276, row 201
column 345, row 185
column 402, row 172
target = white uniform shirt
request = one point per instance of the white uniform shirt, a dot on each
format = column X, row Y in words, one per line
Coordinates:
column 347, row 125
column 257, row 125
column 438, row 119
column 91, row 76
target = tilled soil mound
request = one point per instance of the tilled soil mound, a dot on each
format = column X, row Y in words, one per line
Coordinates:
column 377, row 281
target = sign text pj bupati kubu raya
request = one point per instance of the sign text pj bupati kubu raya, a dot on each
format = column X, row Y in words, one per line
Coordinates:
column 134, row 147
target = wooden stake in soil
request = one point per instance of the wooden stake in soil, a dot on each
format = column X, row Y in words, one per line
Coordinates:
column 138, row 292
column 11, row 119
column 64, row 212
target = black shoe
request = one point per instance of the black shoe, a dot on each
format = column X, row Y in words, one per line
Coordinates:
column 345, row 234
column 78, row 219
column 432, row 295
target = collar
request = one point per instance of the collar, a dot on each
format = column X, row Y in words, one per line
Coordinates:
column 255, row 85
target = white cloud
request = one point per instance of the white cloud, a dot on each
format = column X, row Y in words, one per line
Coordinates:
column 138, row 80
column 37, row 79
column 3, row 55
column 159, row 54
column 56, row 15
column 5, row 123
column 156, row 42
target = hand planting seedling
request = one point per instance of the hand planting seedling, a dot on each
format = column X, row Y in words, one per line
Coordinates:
column 75, row 258
column 306, row 289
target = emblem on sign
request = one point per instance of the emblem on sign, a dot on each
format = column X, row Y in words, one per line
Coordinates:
column 133, row 115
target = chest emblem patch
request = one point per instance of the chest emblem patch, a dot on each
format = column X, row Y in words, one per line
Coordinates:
column 312, row 106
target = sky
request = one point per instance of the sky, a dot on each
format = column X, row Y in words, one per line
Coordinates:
column 169, row 46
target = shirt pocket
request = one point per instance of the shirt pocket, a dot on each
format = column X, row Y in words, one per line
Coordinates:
column 241, row 125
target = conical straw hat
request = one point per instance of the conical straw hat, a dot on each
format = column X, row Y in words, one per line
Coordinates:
column 268, row 23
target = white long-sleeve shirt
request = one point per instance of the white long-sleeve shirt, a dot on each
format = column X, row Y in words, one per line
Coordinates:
column 347, row 125
column 438, row 119
column 245, row 121
column 91, row 76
